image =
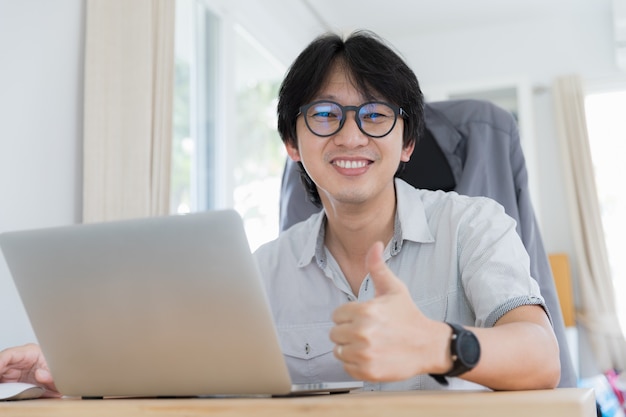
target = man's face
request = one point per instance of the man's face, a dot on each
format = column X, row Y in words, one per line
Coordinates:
column 349, row 167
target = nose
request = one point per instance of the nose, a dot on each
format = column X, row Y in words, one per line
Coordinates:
column 350, row 135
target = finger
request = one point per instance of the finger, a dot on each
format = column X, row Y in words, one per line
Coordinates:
column 355, row 371
column 43, row 376
column 25, row 364
column 360, row 372
column 346, row 313
column 385, row 282
column 344, row 354
column 342, row 334
column 338, row 351
column 13, row 363
column 7, row 358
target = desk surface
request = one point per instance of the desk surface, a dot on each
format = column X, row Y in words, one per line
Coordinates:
column 567, row 402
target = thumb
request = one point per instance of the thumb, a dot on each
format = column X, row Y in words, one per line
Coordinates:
column 385, row 282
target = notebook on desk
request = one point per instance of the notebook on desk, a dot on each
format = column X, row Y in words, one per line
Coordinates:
column 166, row 306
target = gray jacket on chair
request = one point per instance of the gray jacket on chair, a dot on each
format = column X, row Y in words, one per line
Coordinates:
column 481, row 144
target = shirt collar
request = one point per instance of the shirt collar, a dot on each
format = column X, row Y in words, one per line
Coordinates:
column 410, row 224
column 410, row 214
column 314, row 241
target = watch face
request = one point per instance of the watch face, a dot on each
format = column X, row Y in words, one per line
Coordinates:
column 468, row 348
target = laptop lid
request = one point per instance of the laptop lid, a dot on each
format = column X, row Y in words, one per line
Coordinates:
column 167, row 306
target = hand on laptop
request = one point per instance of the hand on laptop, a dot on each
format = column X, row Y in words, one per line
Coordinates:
column 27, row 364
column 388, row 338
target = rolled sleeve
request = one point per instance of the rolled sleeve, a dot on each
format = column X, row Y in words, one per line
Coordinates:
column 494, row 265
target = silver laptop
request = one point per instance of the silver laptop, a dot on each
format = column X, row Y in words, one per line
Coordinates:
column 166, row 306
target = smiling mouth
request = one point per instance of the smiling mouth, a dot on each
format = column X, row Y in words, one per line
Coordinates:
column 341, row 163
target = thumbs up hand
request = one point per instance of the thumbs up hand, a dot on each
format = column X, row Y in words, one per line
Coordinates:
column 388, row 338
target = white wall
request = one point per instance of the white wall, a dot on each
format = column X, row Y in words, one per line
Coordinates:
column 40, row 130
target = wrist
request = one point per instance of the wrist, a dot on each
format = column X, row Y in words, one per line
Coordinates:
column 464, row 353
column 441, row 350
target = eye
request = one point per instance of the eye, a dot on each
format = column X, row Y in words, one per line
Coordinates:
column 325, row 114
column 374, row 117
column 376, row 113
column 325, row 111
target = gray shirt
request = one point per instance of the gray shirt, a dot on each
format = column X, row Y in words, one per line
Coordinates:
column 459, row 256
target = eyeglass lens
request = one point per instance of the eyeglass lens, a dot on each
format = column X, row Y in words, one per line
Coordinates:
column 327, row 118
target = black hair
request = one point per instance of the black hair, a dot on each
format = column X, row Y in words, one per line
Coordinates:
column 375, row 68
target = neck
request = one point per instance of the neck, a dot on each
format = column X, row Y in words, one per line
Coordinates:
column 360, row 230
column 351, row 230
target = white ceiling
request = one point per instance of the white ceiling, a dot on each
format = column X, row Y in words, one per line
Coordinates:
column 400, row 18
column 287, row 26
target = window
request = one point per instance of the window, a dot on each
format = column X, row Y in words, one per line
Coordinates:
column 260, row 154
column 607, row 139
column 226, row 150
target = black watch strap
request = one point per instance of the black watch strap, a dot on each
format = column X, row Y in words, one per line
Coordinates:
column 464, row 351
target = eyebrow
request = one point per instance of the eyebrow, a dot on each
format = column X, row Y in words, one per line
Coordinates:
column 331, row 97
column 325, row 97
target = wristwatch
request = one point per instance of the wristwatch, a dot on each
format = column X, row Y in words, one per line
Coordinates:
column 464, row 350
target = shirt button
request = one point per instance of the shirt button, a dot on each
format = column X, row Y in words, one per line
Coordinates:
column 307, row 348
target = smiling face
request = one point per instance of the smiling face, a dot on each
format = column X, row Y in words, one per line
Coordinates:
column 349, row 167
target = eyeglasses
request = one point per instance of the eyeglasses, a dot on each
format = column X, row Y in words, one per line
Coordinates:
column 375, row 119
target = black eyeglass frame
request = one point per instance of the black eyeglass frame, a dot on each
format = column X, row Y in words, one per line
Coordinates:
column 397, row 111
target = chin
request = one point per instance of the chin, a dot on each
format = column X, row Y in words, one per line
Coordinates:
column 350, row 197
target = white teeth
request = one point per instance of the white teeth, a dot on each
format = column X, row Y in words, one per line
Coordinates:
column 350, row 164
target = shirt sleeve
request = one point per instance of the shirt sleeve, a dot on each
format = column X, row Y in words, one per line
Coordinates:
column 494, row 265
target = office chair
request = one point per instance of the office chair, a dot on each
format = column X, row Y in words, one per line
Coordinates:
column 473, row 148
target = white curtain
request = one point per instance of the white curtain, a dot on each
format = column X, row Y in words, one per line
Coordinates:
column 129, row 64
column 597, row 312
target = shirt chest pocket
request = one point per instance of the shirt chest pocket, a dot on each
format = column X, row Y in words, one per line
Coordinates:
column 308, row 352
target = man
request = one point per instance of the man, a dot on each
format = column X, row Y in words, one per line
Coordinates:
column 387, row 284
column 445, row 257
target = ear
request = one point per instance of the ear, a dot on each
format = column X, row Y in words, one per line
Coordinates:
column 292, row 151
column 405, row 156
